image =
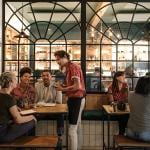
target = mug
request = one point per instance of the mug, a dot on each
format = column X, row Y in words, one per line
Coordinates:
column 121, row 106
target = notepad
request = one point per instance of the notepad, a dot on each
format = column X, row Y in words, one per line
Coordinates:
column 50, row 104
column 27, row 112
column 46, row 104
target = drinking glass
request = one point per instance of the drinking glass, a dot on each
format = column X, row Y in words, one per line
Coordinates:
column 26, row 103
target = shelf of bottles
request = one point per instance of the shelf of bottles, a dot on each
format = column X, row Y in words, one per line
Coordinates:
column 16, row 51
column 44, row 54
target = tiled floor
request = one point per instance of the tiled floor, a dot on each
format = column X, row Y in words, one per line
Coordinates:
column 90, row 136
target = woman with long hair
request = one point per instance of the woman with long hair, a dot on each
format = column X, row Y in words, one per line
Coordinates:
column 118, row 92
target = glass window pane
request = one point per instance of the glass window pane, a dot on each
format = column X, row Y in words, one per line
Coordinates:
column 11, row 47
column 11, row 66
column 54, row 66
column 90, row 66
column 24, row 52
column 108, row 52
column 40, row 65
column 23, row 64
column 140, row 68
column 74, row 52
column 108, row 67
column 11, row 52
column 141, row 53
column 42, row 50
column 125, row 66
column 124, row 50
column 92, row 52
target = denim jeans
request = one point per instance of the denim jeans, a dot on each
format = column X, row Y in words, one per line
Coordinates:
column 144, row 136
column 13, row 131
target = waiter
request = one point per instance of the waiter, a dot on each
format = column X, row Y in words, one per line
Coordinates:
column 75, row 91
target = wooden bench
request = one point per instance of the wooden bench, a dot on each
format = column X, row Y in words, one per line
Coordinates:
column 123, row 142
column 33, row 142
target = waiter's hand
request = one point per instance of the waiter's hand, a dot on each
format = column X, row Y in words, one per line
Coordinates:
column 59, row 87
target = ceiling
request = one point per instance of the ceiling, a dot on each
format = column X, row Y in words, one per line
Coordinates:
column 43, row 11
column 97, row 13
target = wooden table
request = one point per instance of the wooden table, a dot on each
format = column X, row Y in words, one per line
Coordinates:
column 58, row 109
column 110, row 112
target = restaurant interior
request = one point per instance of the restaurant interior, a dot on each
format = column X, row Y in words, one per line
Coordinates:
column 107, row 36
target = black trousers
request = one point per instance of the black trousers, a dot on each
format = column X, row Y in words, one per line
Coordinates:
column 74, row 104
column 122, row 121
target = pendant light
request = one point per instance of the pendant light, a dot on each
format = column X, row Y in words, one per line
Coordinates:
column 22, row 34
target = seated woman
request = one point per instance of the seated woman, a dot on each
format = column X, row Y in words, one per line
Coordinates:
column 12, row 124
column 118, row 92
column 138, row 126
column 24, row 92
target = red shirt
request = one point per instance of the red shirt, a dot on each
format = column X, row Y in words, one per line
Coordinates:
column 74, row 71
column 19, row 94
column 119, row 95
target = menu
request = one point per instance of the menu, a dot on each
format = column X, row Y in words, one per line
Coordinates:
column 27, row 112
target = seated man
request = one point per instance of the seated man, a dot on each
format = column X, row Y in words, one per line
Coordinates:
column 46, row 92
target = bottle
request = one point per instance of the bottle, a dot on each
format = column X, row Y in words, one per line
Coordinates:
column 26, row 103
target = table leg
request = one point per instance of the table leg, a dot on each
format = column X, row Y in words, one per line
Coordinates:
column 108, row 132
column 67, row 125
column 103, row 135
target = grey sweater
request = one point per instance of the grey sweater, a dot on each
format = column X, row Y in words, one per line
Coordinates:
column 139, row 120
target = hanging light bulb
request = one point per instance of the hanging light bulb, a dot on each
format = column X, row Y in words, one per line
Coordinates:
column 92, row 32
column 101, row 27
column 22, row 34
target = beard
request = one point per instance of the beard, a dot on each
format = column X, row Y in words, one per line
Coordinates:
column 46, row 83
